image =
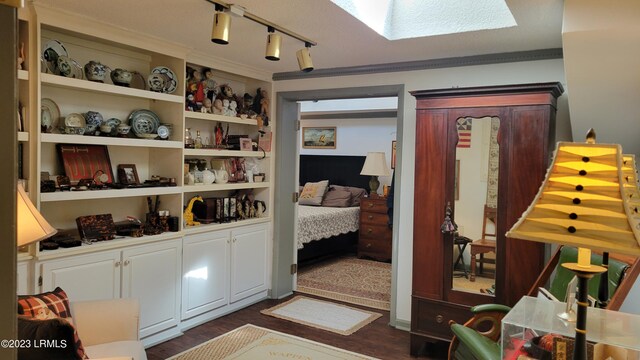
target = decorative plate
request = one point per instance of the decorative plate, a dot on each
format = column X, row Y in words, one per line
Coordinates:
column 49, row 115
column 163, row 132
column 75, row 120
column 144, row 122
column 52, row 50
column 170, row 85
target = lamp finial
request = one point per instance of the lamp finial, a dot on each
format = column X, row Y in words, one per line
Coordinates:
column 591, row 136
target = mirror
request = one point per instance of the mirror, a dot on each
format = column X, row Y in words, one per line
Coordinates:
column 476, row 200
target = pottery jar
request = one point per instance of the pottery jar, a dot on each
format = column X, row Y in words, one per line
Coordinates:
column 121, row 77
column 94, row 71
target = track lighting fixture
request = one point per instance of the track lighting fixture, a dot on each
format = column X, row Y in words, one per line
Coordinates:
column 222, row 22
column 273, row 45
column 221, row 25
column 304, row 58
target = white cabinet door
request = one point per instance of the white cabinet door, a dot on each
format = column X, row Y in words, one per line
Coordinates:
column 205, row 272
column 84, row 277
column 248, row 261
column 151, row 274
column 23, row 278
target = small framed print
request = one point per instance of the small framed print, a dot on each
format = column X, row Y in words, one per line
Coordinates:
column 393, row 154
column 127, row 174
column 84, row 161
column 319, row 137
column 245, row 144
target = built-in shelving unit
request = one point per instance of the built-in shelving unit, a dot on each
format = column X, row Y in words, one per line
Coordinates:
column 110, row 141
column 221, row 118
column 227, row 186
column 108, row 194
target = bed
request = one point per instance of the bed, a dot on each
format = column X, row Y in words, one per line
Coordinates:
column 326, row 231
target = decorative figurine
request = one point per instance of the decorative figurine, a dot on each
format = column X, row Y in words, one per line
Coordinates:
column 219, row 134
column 217, row 107
column 207, row 106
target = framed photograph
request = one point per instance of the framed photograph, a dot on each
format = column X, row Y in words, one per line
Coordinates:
column 393, row 154
column 245, row 144
column 127, row 174
column 319, row 137
column 84, row 161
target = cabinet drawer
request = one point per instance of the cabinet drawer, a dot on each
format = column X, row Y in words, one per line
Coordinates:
column 377, row 248
column 367, row 217
column 432, row 317
column 373, row 205
column 378, row 231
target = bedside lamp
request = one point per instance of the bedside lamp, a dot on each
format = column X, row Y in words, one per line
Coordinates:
column 31, row 225
column 375, row 165
column 583, row 202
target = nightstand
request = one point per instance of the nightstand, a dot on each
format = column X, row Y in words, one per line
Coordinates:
column 375, row 234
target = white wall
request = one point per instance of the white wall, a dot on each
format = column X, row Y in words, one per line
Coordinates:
column 356, row 137
column 496, row 74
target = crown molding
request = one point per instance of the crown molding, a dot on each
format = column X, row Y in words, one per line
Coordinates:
column 201, row 58
column 532, row 55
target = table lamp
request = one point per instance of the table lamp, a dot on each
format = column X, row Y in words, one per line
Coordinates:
column 375, row 165
column 31, row 225
column 583, row 202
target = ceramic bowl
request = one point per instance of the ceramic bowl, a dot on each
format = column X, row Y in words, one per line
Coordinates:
column 121, row 77
column 123, row 130
column 105, row 128
column 94, row 71
column 93, row 118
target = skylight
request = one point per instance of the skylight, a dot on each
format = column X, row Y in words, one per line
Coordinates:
column 404, row 19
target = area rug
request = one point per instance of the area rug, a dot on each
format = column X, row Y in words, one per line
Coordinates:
column 351, row 280
column 325, row 315
column 251, row 342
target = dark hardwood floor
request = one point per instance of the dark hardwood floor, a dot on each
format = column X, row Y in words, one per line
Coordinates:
column 377, row 339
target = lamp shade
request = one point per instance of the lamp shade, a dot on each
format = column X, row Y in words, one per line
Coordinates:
column 588, row 199
column 375, row 165
column 32, row 226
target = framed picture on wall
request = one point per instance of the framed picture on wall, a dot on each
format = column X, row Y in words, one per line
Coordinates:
column 319, row 137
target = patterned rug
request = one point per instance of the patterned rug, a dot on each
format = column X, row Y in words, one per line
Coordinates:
column 352, row 280
column 251, row 342
column 325, row 315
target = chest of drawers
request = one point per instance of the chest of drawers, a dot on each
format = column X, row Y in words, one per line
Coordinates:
column 375, row 234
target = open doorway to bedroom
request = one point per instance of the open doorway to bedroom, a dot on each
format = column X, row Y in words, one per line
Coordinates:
column 344, row 232
column 287, row 181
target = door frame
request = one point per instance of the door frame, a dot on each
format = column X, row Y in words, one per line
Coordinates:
column 287, row 181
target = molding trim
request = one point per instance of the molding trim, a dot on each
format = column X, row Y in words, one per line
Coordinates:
column 403, row 325
column 373, row 114
column 532, row 55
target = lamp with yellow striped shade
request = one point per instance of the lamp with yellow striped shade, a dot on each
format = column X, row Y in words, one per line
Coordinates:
column 589, row 199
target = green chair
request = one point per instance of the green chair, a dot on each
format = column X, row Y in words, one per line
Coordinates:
column 479, row 337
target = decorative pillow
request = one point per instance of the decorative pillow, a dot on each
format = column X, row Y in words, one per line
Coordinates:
column 356, row 193
column 50, row 305
column 58, row 334
column 337, row 198
column 313, row 193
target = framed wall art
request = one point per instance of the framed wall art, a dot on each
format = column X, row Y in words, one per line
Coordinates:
column 245, row 144
column 319, row 137
column 85, row 161
column 393, row 154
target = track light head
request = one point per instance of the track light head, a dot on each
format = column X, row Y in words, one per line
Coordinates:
column 221, row 26
column 273, row 45
column 304, row 58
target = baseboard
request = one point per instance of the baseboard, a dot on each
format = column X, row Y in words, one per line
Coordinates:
column 221, row 311
column 403, row 325
column 161, row 337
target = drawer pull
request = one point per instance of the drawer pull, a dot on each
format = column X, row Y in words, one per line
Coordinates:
column 127, row 262
column 369, row 230
column 439, row 319
column 370, row 204
column 368, row 245
column 370, row 217
column 117, row 263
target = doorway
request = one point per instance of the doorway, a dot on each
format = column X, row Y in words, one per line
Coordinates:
column 285, row 215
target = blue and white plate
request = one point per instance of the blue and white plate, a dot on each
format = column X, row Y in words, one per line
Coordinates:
column 144, row 122
column 172, row 84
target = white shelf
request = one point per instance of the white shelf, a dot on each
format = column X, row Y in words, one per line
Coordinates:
column 227, row 186
column 104, row 140
column 86, row 85
column 108, row 194
column 23, row 75
column 213, row 227
column 228, row 153
column 221, row 118
column 23, row 136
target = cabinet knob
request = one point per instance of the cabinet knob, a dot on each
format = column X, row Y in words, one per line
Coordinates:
column 370, row 217
column 126, row 262
column 368, row 245
column 228, row 241
column 369, row 230
column 439, row 319
column 117, row 264
column 234, row 239
column 370, row 204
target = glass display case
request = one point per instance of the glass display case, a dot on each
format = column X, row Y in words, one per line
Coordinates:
column 610, row 334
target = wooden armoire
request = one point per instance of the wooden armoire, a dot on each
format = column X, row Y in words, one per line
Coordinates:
column 526, row 137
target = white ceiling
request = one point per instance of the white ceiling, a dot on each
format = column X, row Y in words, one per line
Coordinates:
column 342, row 40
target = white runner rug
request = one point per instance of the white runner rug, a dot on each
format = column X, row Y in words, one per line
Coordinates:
column 324, row 315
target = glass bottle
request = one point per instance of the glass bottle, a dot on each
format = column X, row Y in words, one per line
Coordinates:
column 188, row 140
column 198, row 142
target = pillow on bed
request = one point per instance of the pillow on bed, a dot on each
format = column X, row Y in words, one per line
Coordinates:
column 337, row 198
column 356, row 193
column 313, row 193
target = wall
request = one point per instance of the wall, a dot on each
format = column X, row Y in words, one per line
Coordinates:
column 357, row 137
column 496, row 74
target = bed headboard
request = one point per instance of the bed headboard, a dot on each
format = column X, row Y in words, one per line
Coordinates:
column 339, row 170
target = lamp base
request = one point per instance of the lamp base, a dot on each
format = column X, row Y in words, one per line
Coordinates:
column 374, row 184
